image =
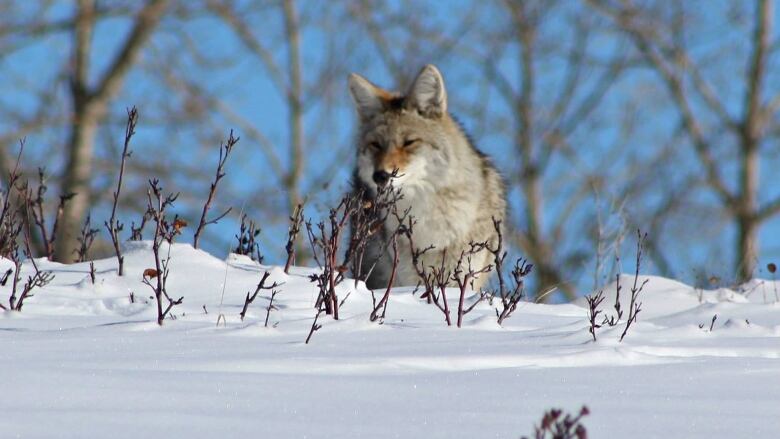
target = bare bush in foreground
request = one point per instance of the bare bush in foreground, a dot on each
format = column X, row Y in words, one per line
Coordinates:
column 557, row 425
column 509, row 297
column 163, row 231
column 247, row 240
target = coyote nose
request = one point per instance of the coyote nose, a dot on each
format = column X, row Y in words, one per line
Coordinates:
column 381, row 177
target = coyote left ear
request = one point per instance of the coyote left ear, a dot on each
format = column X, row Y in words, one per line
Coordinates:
column 427, row 93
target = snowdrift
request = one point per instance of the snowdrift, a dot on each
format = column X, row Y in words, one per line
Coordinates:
column 89, row 360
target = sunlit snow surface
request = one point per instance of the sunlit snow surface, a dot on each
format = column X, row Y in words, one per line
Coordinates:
column 82, row 361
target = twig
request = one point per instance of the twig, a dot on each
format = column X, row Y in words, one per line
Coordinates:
column 85, row 240
column 113, row 225
column 296, row 220
column 38, row 279
column 465, row 276
column 509, row 298
column 136, row 233
column 712, row 323
column 260, row 286
column 247, row 240
column 36, row 208
column 270, row 306
column 370, row 223
column 635, row 307
column 382, row 305
column 224, row 152
column 593, row 311
column 314, row 326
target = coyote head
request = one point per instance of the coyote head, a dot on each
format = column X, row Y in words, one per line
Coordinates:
column 410, row 134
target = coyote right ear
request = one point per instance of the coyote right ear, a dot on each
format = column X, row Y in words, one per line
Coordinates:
column 368, row 98
column 428, row 94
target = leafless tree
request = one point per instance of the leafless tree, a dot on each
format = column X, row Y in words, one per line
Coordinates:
column 544, row 121
column 300, row 91
column 716, row 131
column 90, row 100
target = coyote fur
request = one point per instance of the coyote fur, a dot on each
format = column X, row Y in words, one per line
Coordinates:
column 451, row 189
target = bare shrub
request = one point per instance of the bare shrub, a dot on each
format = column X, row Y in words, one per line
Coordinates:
column 509, row 297
column 557, row 425
column 14, row 221
column 634, row 305
column 36, row 208
column 86, row 238
column 247, row 240
column 163, row 231
column 593, row 312
column 464, row 275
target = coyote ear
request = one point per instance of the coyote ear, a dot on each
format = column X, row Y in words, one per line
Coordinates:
column 368, row 97
column 427, row 93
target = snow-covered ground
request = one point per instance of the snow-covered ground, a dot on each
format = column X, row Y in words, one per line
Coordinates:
column 82, row 361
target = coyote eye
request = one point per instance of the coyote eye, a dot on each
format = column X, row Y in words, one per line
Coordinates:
column 410, row 142
column 375, row 146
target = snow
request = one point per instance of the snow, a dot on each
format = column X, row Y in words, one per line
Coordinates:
column 81, row 360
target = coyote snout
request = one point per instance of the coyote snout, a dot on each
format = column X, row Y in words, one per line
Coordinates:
column 450, row 188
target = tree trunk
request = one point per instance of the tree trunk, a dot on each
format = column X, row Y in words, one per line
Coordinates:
column 748, row 221
column 90, row 105
column 77, row 181
column 747, row 247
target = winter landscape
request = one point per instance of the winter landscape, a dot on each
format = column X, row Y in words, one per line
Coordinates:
column 548, row 219
column 83, row 360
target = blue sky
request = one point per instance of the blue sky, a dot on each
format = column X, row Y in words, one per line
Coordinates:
column 243, row 84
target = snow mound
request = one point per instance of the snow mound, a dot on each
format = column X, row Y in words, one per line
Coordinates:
column 90, row 359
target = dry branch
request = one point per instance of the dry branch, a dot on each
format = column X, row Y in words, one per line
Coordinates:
column 382, row 305
column 635, row 307
column 113, row 225
column 251, row 297
column 296, row 220
column 593, row 312
column 509, row 298
column 36, row 208
column 85, row 239
column 224, row 151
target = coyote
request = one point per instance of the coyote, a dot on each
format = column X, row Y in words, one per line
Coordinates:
column 451, row 188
